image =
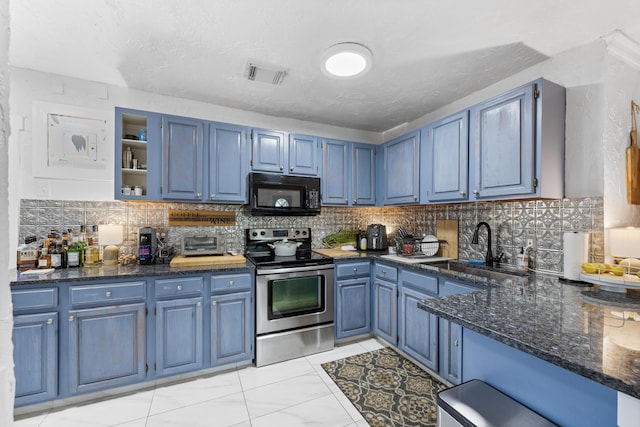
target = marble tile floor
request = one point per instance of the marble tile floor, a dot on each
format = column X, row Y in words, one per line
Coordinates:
column 292, row 393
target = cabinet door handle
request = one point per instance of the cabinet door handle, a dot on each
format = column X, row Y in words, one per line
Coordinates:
column 179, row 287
column 107, row 294
column 71, row 318
column 213, row 303
column 49, row 321
column 456, row 343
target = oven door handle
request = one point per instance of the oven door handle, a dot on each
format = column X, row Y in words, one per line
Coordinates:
column 279, row 270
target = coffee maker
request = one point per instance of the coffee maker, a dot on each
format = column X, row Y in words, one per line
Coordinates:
column 147, row 245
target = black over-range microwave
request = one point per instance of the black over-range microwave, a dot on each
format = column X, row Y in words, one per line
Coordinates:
column 274, row 194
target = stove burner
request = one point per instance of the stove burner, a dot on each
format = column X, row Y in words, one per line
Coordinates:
column 259, row 253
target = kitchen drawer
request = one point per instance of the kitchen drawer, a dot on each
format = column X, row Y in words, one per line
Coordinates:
column 383, row 271
column 353, row 269
column 113, row 293
column 419, row 282
column 34, row 299
column 230, row 282
column 177, row 287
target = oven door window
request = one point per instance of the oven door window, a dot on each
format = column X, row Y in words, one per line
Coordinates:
column 296, row 297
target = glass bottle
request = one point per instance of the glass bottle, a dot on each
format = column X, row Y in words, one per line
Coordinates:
column 74, row 254
column 56, row 256
column 45, row 259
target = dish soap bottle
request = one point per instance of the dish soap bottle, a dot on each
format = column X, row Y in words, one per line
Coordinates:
column 522, row 260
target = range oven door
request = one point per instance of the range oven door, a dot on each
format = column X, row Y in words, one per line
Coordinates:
column 292, row 298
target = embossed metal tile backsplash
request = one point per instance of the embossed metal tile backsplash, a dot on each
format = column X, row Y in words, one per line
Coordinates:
column 512, row 223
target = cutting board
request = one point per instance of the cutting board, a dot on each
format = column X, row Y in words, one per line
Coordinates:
column 193, row 261
column 447, row 229
column 337, row 253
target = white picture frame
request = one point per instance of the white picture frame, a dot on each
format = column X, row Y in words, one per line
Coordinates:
column 71, row 142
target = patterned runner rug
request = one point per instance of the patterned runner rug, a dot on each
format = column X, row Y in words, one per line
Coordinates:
column 387, row 389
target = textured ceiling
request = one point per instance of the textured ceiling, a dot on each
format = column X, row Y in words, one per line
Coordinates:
column 426, row 53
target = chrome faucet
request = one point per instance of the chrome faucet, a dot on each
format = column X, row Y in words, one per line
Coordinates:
column 488, row 259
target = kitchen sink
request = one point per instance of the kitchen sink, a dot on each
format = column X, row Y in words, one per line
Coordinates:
column 496, row 273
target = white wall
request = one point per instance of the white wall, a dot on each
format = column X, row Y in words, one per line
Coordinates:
column 7, row 381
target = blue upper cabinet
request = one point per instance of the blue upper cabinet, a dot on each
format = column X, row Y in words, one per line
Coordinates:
column 335, row 172
column 143, row 169
column 518, row 143
column 228, row 163
column 400, row 171
column 348, row 173
column 182, row 158
column 304, row 155
column 444, row 150
column 363, row 185
column 267, row 151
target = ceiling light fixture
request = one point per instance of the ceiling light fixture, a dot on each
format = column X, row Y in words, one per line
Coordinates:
column 346, row 60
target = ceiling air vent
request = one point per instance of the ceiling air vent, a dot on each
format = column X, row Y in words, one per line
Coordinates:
column 261, row 73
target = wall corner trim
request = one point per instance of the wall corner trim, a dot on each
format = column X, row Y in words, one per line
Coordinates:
column 623, row 47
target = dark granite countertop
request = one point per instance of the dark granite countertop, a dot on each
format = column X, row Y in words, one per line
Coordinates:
column 119, row 272
column 593, row 333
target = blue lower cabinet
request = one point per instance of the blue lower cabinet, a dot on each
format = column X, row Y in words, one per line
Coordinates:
column 35, row 355
column 231, row 328
column 417, row 329
column 179, row 336
column 384, row 316
column 450, row 351
column 106, row 347
column 353, row 307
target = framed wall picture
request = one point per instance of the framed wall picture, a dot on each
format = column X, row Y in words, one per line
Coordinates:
column 72, row 142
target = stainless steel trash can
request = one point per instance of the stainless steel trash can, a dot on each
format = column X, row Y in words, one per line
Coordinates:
column 477, row 404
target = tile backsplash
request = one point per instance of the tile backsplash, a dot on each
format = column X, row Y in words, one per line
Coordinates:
column 512, row 223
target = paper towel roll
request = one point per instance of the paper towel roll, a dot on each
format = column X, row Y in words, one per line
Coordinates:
column 576, row 252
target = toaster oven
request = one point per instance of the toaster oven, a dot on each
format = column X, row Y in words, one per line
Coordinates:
column 213, row 244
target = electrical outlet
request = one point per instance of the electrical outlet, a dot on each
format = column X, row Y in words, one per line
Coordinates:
column 529, row 243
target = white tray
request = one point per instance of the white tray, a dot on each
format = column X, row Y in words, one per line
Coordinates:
column 612, row 283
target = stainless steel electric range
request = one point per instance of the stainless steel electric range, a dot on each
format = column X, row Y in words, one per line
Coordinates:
column 294, row 294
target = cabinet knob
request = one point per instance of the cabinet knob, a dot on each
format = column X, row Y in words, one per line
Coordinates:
column 355, row 269
column 456, row 343
column 179, row 287
column 339, row 285
column 384, row 272
column 355, row 201
column 231, row 282
column 49, row 321
column 462, row 193
column 476, row 192
column 212, row 196
column 214, row 303
column 281, row 168
column 199, row 304
column 291, row 169
column 107, row 294
column 198, row 195
column 71, row 318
